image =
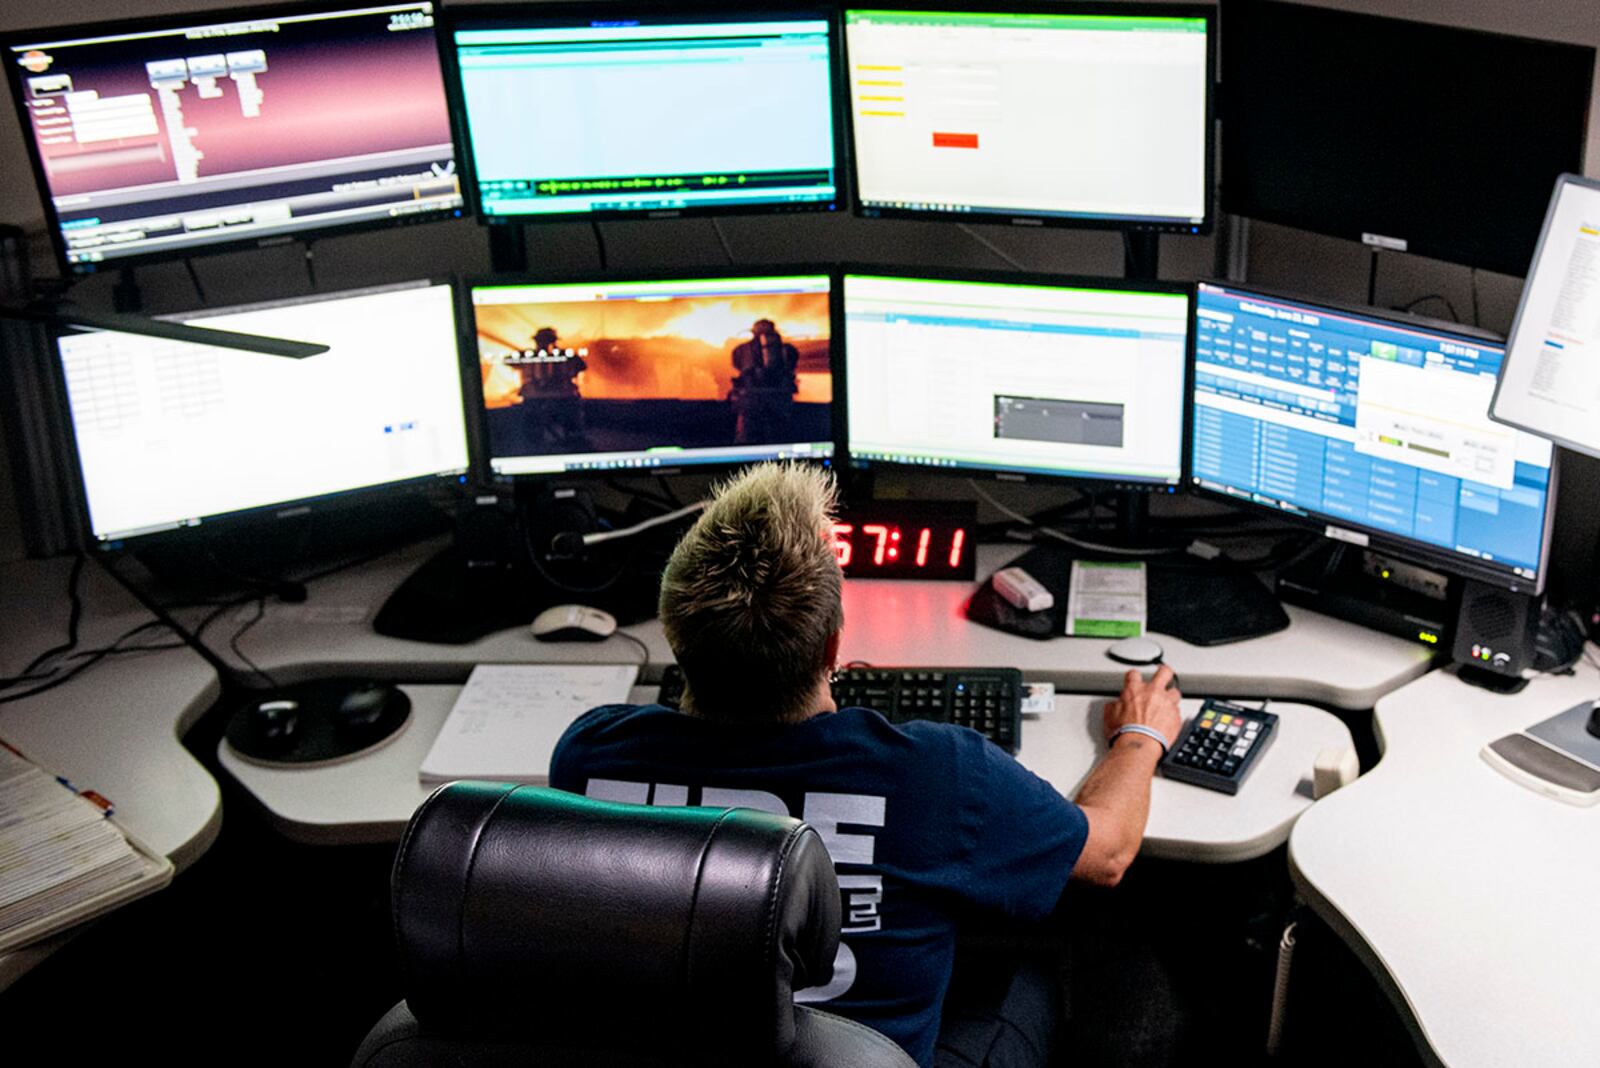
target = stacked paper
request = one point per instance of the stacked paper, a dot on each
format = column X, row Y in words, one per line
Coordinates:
column 58, row 851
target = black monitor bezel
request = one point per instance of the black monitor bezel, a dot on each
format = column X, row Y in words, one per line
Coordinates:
column 848, row 461
column 564, row 10
column 139, row 25
column 1209, row 12
column 222, row 524
column 477, row 414
column 1375, row 540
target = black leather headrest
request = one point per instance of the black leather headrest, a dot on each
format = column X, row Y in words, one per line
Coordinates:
column 525, row 910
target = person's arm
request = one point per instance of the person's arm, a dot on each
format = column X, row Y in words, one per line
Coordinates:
column 1116, row 795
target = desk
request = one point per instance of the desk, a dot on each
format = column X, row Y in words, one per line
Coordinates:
column 371, row 798
column 1471, row 898
column 906, row 623
column 115, row 730
column 1317, row 659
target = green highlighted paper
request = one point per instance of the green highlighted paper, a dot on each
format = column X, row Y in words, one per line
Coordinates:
column 1106, row 599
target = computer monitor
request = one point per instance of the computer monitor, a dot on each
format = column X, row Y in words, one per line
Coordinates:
column 1073, row 114
column 604, row 110
column 654, row 374
column 1373, row 426
column 1017, row 377
column 164, row 137
column 172, row 435
column 1416, row 137
column 1550, row 381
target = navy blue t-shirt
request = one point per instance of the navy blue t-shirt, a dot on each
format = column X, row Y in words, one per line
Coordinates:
column 923, row 820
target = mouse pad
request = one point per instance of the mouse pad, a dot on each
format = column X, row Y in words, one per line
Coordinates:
column 1202, row 605
column 1569, row 732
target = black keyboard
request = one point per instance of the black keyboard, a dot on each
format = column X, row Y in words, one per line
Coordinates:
column 989, row 700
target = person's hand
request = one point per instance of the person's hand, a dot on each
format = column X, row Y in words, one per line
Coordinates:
column 1153, row 704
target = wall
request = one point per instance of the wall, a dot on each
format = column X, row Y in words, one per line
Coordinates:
column 1276, row 256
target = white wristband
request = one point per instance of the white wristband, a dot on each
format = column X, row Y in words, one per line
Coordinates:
column 1140, row 728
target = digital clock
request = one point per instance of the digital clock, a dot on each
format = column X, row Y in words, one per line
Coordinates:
column 907, row 539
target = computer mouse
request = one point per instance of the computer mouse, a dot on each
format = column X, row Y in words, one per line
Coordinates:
column 1135, row 651
column 1594, row 719
column 276, row 723
column 364, row 707
column 573, row 623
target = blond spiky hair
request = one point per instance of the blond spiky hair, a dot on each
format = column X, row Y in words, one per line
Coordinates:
column 750, row 596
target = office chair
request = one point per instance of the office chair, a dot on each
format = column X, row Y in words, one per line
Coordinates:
column 541, row 928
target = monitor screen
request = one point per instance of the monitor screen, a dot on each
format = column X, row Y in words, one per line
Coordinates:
column 597, row 111
column 1072, row 380
column 171, row 434
column 1421, row 138
column 1087, row 119
column 161, row 139
column 1550, row 382
column 1375, row 427
column 597, row 376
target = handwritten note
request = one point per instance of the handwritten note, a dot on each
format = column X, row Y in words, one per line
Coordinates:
column 508, row 718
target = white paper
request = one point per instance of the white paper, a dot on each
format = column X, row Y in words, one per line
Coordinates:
column 1106, row 599
column 1038, row 698
column 508, row 718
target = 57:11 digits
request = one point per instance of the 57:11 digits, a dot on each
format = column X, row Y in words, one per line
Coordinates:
column 888, row 544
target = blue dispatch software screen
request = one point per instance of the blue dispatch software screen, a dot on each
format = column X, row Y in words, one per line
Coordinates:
column 1375, row 426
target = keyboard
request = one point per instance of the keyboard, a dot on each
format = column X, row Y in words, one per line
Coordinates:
column 989, row 700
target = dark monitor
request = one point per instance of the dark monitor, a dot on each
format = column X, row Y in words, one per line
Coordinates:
column 1017, row 377
column 172, row 435
column 165, row 137
column 1072, row 114
column 1410, row 136
column 1371, row 426
column 603, row 110
column 654, row 374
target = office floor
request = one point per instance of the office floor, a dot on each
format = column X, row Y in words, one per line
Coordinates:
column 267, row 951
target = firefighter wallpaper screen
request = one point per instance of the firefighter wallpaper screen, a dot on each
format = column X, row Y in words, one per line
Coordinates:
column 651, row 374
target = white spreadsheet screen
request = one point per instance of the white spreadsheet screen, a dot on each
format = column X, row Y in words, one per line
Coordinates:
column 1063, row 115
column 170, row 433
column 1550, row 383
column 1016, row 378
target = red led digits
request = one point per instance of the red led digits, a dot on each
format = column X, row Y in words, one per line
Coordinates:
column 843, row 550
column 887, row 541
column 881, row 532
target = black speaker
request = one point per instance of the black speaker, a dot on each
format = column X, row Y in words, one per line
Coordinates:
column 1495, row 629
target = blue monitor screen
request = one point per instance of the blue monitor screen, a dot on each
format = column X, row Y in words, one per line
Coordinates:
column 659, row 114
column 1378, row 427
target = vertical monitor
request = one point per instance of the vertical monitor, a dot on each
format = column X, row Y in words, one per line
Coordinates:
column 162, row 138
column 1017, row 378
column 171, row 434
column 1077, row 114
column 1421, row 138
column 654, row 374
column 1550, row 381
column 1374, row 427
column 607, row 111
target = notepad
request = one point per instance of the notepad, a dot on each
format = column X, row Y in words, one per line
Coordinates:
column 508, row 718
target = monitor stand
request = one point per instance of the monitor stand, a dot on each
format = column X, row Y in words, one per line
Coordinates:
column 505, row 566
column 1141, row 255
